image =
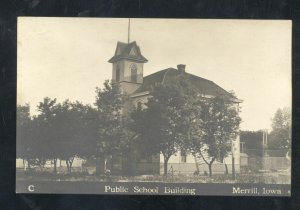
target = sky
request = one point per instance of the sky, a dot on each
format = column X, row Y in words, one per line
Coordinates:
column 67, row 58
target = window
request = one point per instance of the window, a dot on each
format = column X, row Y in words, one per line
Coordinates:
column 118, row 74
column 133, row 68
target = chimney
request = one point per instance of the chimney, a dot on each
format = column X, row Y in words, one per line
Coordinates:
column 181, row 67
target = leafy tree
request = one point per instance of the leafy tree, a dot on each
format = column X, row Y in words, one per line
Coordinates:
column 87, row 129
column 177, row 118
column 45, row 133
column 31, row 138
column 23, row 126
column 162, row 125
column 75, row 131
column 46, row 108
column 60, row 131
column 280, row 136
column 189, row 121
column 220, row 125
column 40, row 140
column 113, row 136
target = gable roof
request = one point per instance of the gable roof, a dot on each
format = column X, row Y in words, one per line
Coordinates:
column 167, row 76
column 123, row 51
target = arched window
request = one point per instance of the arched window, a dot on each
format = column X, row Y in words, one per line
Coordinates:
column 133, row 68
column 118, row 74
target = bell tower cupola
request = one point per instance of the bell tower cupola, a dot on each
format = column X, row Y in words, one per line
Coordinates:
column 127, row 67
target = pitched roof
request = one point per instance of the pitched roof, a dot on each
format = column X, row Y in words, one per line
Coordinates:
column 129, row 51
column 167, row 76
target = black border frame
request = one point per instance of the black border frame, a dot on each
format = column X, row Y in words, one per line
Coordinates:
column 222, row 9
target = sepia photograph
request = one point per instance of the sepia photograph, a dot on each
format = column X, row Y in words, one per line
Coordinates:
column 154, row 106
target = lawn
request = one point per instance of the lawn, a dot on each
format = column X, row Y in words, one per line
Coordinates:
column 267, row 178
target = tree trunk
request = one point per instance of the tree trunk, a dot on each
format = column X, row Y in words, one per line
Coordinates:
column 68, row 166
column 166, row 159
column 105, row 164
column 210, row 167
column 54, row 162
column 233, row 168
column 98, row 165
column 28, row 163
column 226, row 169
column 69, row 163
column 208, row 163
column 210, row 170
column 111, row 165
column 197, row 166
column 165, row 168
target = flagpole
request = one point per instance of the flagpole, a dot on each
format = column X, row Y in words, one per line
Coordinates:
column 128, row 30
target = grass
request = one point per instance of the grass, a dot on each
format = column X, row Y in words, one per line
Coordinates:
column 267, row 178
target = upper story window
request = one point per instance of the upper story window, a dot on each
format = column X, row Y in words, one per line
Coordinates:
column 133, row 68
column 118, row 71
column 183, row 156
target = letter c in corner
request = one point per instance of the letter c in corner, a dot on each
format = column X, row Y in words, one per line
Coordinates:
column 31, row 188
